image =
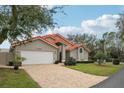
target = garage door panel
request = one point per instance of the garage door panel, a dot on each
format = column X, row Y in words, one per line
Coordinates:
column 37, row 57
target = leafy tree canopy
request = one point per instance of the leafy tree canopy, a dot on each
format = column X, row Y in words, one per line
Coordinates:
column 19, row 22
column 120, row 24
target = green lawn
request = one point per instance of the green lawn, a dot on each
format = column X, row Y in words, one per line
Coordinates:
column 103, row 70
column 10, row 78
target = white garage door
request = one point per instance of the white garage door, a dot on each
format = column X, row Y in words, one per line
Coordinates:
column 37, row 57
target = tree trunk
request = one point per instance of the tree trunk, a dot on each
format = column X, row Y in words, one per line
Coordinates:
column 1, row 39
column 14, row 18
column 12, row 22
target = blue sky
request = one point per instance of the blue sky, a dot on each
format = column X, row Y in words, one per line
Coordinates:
column 77, row 13
column 84, row 19
column 93, row 19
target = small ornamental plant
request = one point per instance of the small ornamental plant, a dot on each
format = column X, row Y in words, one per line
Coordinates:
column 17, row 62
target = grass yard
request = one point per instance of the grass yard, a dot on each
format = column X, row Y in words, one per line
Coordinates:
column 10, row 78
column 103, row 70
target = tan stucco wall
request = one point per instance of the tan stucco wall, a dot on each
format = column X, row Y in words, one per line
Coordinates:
column 4, row 58
column 79, row 56
column 84, row 55
column 4, row 50
column 38, row 45
column 74, row 54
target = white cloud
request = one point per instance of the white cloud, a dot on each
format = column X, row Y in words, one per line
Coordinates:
column 51, row 6
column 68, row 30
column 48, row 6
column 101, row 24
column 96, row 26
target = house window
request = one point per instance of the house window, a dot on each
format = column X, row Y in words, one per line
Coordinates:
column 81, row 50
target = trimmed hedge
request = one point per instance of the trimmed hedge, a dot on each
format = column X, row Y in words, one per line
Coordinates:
column 71, row 62
column 90, row 61
column 116, row 62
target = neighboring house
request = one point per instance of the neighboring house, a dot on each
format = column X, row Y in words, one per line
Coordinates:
column 50, row 48
column 4, row 50
column 4, row 56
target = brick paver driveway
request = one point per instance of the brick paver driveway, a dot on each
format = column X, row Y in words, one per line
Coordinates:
column 57, row 76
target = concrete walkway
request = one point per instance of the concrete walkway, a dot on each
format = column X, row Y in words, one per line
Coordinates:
column 4, row 66
column 57, row 76
column 114, row 81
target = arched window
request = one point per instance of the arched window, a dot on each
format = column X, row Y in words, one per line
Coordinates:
column 81, row 50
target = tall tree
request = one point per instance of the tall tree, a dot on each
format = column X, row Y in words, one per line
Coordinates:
column 87, row 39
column 111, row 44
column 120, row 24
column 18, row 22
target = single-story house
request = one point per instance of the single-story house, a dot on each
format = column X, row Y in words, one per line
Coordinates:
column 50, row 48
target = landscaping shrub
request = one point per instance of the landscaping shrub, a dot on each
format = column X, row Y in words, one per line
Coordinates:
column 71, row 61
column 116, row 62
column 56, row 62
column 11, row 63
column 90, row 61
column 20, row 63
column 109, row 60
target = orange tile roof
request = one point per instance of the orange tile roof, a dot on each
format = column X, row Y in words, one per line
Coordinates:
column 52, row 39
column 34, row 38
column 59, row 38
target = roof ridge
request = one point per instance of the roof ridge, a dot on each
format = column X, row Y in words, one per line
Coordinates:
column 65, row 39
column 44, row 38
column 34, row 38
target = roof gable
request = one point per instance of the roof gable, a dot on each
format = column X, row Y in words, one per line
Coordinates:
column 57, row 38
column 53, row 39
column 27, row 41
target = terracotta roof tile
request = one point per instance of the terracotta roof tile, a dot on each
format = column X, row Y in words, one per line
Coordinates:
column 52, row 39
column 58, row 38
